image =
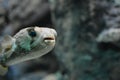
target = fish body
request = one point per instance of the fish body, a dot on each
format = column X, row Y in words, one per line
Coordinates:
column 29, row 43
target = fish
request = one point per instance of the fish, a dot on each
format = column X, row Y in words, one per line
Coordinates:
column 29, row 43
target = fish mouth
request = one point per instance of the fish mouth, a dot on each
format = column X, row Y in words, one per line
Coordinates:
column 49, row 38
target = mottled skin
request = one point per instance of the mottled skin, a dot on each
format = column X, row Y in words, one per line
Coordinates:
column 29, row 43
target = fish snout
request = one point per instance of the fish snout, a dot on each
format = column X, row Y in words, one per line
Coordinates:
column 49, row 39
column 54, row 32
column 49, row 36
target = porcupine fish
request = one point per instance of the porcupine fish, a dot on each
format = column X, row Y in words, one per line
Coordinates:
column 29, row 43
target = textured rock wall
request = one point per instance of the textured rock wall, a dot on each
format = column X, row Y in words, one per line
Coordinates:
column 26, row 12
column 78, row 24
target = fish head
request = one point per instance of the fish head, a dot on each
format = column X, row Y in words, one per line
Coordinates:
column 37, row 41
column 43, row 37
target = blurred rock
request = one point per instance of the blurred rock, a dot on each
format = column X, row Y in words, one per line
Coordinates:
column 2, row 15
column 110, row 34
column 33, row 76
column 55, row 76
column 26, row 12
column 3, row 20
column 80, row 24
column 40, row 76
column 48, row 64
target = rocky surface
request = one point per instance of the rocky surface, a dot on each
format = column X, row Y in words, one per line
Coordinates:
column 80, row 23
column 28, row 11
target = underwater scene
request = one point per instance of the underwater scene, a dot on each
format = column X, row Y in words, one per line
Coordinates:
column 59, row 40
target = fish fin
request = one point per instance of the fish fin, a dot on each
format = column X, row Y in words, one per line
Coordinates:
column 7, row 45
column 7, row 37
column 6, row 41
column 3, row 70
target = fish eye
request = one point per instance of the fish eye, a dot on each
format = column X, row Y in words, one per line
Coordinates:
column 32, row 32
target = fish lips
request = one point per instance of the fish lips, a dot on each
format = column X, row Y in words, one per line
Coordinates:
column 49, row 40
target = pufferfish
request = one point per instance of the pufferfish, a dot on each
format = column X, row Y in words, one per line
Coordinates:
column 29, row 43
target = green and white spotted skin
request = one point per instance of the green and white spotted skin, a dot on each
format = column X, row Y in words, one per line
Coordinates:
column 29, row 43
